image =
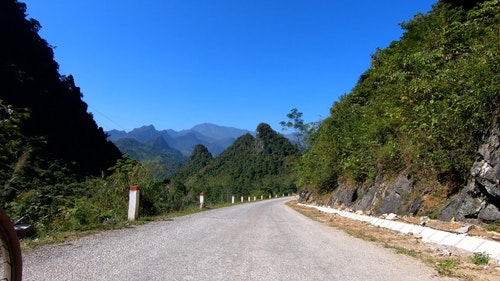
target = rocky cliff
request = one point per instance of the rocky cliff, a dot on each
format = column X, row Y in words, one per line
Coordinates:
column 404, row 195
column 480, row 198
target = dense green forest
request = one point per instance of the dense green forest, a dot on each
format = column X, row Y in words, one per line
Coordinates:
column 421, row 109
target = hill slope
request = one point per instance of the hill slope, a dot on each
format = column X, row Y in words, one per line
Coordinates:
column 156, row 152
column 405, row 139
column 261, row 165
column 59, row 135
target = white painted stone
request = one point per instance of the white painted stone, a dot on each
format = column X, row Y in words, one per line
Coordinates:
column 417, row 229
column 438, row 236
column 385, row 224
column 461, row 241
column 464, row 229
column 426, row 232
column 133, row 203
column 470, row 243
column 453, row 239
column 390, row 224
column 391, row 216
column 398, row 226
column 490, row 247
column 407, row 228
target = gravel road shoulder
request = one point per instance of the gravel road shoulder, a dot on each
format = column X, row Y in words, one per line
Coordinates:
column 448, row 262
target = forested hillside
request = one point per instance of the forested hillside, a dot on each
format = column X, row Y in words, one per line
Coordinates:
column 49, row 143
column 59, row 126
column 56, row 133
column 405, row 138
column 257, row 166
column 156, row 152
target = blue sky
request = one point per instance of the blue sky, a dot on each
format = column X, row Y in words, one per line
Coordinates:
column 178, row 63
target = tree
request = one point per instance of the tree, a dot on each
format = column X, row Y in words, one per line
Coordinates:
column 301, row 130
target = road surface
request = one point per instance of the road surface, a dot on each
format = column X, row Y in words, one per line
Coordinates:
column 255, row 241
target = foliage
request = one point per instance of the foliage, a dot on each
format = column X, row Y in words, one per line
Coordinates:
column 422, row 107
column 58, row 116
column 296, row 122
column 480, row 258
column 259, row 166
column 49, row 143
column 93, row 202
column 169, row 159
column 446, row 266
column 13, row 149
column 200, row 157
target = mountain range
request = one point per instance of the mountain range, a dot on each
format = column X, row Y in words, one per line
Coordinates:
column 171, row 148
column 216, row 138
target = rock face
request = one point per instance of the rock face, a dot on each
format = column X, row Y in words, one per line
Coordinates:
column 480, row 199
column 384, row 196
column 389, row 196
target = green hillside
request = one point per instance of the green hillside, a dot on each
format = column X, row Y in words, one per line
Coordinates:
column 156, row 153
column 420, row 111
column 261, row 165
column 51, row 139
column 49, row 144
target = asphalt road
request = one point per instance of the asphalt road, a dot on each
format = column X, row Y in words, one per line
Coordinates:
column 255, row 241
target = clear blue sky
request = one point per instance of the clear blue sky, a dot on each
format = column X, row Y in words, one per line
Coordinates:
column 178, row 63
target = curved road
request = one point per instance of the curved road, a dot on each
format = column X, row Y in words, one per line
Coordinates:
column 256, row 241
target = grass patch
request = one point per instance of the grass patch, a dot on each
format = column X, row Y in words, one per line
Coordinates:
column 446, row 266
column 480, row 258
column 404, row 251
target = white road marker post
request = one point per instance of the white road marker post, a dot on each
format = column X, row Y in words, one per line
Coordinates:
column 262, row 197
column 133, row 203
column 202, row 199
column 248, row 198
column 232, row 199
column 241, row 199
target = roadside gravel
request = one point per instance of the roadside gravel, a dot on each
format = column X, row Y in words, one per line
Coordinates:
column 257, row 241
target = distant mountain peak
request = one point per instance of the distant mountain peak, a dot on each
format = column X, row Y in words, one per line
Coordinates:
column 160, row 143
column 218, row 132
column 215, row 137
